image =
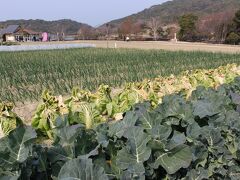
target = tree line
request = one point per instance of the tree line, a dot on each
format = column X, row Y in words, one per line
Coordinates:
column 222, row 27
column 219, row 28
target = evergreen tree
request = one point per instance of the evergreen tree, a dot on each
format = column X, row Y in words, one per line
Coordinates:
column 233, row 36
column 236, row 21
column 187, row 25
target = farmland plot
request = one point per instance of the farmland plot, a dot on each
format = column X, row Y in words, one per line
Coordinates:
column 191, row 119
column 25, row 75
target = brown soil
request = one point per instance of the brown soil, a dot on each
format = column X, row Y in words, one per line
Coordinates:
column 26, row 111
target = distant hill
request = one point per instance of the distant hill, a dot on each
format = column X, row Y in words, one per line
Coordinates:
column 64, row 25
column 169, row 12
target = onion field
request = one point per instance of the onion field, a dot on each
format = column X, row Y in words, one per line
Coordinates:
column 25, row 75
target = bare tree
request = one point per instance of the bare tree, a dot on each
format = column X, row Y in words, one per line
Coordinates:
column 126, row 27
column 154, row 26
column 79, row 34
column 84, row 33
column 137, row 28
column 216, row 25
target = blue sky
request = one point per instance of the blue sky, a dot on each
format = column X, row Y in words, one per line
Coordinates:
column 93, row 12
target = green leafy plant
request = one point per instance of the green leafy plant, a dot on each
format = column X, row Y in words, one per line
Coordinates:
column 8, row 119
column 101, row 106
column 15, row 149
column 47, row 112
column 194, row 138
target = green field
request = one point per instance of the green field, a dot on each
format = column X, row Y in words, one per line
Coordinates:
column 24, row 75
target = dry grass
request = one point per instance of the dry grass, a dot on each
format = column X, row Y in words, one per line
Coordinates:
column 179, row 46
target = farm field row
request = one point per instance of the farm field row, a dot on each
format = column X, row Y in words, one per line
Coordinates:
column 92, row 108
column 25, row 75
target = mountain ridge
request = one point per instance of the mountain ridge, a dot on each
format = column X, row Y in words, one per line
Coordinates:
column 169, row 12
column 67, row 26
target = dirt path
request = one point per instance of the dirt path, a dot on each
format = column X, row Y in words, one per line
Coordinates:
column 179, row 46
column 26, row 111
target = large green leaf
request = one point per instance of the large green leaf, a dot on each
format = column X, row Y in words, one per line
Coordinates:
column 176, row 140
column 210, row 103
column 172, row 106
column 175, row 109
column 82, row 169
column 200, row 154
column 231, row 119
column 64, row 147
column 119, row 128
column 146, row 119
column 136, row 152
column 58, row 156
column 177, row 158
column 102, row 134
column 71, row 142
column 68, row 134
column 193, row 131
column 204, row 109
column 161, row 132
column 151, row 122
column 213, row 137
column 15, row 147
